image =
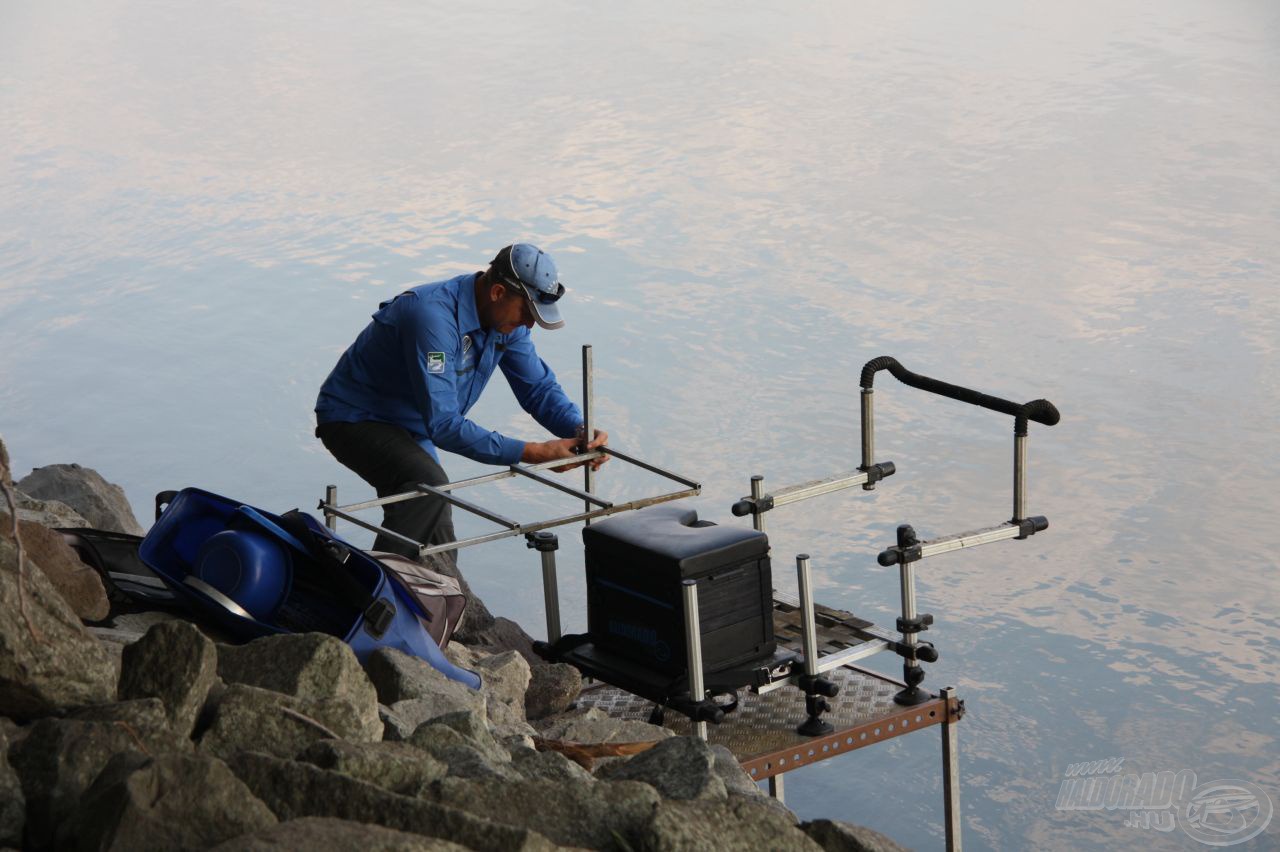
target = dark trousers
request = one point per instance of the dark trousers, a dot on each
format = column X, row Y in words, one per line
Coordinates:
column 387, row 457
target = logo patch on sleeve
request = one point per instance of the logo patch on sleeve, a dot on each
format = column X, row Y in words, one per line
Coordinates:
column 435, row 362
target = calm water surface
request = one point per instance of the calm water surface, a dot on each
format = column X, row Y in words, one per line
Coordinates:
column 200, row 204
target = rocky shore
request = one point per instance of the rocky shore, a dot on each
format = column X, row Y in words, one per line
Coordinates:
column 123, row 728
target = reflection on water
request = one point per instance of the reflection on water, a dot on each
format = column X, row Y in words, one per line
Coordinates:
column 201, row 203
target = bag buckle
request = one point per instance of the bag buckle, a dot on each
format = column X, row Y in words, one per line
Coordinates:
column 378, row 617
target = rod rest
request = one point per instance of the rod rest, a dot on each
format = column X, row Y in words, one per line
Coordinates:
column 1039, row 410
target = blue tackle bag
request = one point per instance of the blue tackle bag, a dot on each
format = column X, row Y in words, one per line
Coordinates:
column 257, row 574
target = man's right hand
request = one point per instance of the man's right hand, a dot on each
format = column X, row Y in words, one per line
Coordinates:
column 545, row 451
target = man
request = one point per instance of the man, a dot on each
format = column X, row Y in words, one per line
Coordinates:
column 403, row 389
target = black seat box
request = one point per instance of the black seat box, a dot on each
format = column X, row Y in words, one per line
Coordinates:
column 636, row 564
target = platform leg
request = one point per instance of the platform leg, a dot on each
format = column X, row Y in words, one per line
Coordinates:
column 776, row 788
column 331, row 497
column 693, row 643
column 546, row 543
column 951, row 774
column 588, row 423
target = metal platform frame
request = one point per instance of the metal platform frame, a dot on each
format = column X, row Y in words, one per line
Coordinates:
column 883, row 708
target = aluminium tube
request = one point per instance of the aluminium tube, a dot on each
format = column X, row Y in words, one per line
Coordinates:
column 551, row 595
column 1019, row 477
column 331, row 499
column 757, row 492
column 868, row 434
column 693, row 645
column 807, row 620
column 588, row 433
column 907, row 572
column 951, row 775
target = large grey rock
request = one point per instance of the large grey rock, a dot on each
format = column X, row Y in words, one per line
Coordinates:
column 102, row 503
column 174, row 662
column 502, row 635
column 593, row 725
column 47, row 513
column 246, row 718
column 590, row 815
column 80, row 586
column 678, row 768
column 678, row 826
column 548, row 766
column 462, row 742
column 738, row 783
column 13, row 804
column 51, row 661
column 174, row 801
column 314, row 667
column 60, row 758
column 504, row 678
column 293, row 790
column 397, row 767
column 553, row 687
column 398, row 677
column 323, row 834
column 140, row 714
column 138, row 623
column 835, row 836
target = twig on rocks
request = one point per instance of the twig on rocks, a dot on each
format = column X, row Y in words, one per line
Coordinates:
column 302, row 717
column 133, row 733
column 6, row 485
column 585, row 754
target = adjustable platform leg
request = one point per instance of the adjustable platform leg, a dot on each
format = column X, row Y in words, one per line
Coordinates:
column 693, row 644
column 951, row 774
column 331, row 497
column 546, row 543
column 815, row 687
column 776, row 788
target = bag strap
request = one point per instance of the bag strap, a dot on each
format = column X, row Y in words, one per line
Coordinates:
column 332, row 555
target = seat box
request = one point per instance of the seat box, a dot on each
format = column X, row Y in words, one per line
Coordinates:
column 636, row 565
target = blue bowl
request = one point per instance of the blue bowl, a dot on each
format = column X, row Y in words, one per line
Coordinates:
column 252, row 568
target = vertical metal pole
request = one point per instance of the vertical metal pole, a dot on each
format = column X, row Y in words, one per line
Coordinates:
column 907, row 576
column 807, row 621
column 331, row 498
column 868, row 434
column 588, row 426
column 693, row 644
column 951, row 775
column 776, row 788
column 1019, row 477
column 757, row 491
column 551, row 595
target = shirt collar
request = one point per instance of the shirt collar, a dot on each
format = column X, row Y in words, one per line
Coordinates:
column 468, row 315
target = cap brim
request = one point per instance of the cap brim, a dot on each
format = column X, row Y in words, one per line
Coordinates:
column 545, row 315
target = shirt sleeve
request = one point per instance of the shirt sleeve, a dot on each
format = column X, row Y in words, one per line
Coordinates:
column 536, row 388
column 431, row 345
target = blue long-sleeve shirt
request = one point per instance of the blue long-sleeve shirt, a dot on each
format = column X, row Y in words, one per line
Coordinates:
column 423, row 362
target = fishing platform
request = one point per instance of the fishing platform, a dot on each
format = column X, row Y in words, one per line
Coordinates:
column 775, row 679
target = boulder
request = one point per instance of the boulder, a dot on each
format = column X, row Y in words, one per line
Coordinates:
column 585, row 814
column 504, row 678
column 293, row 790
column 835, row 836
column 139, row 714
column 593, row 725
column 678, row 768
column 175, row 663
column 398, row 677
column 739, row 783
column 315, row 667
column 48, row 660
column 13, row 804
column 323, row 834
column 553, row 687
column 502, row 635
column 720, row 824
column 246, row 718
column 47, row 513
column 172, row 801
column 463, row 743
column 397, row 767
column 80, row 586
column 548, row 766
column 60, row 758
column 102, row 503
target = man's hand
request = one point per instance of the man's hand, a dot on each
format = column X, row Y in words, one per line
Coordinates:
column 564, row 448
